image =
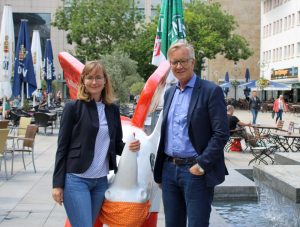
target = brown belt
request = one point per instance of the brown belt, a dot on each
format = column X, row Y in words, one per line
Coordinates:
column 181, row 161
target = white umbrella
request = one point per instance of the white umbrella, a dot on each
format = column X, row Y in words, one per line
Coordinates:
column 271, row 86
column 36, row 52
column 7, row 45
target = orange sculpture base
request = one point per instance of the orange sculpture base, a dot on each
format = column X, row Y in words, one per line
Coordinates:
column 151, row 221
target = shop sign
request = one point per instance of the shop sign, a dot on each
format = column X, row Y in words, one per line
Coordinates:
column 288, row 73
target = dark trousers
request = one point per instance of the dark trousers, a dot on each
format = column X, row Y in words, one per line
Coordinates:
column 186, row 197
column 279, row 115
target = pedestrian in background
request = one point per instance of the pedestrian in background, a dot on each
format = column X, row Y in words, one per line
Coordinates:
column 279, row 106
column 89, row 139
column 190, row 157
column 254, row 105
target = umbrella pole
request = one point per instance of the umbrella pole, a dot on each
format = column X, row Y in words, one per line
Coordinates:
column 48, row 99
column 22, row 95
column 3, row 108
column 33, row 101
column 27, row 92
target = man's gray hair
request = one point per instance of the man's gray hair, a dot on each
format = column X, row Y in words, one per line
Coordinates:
column 230, row 108
column 181, row 44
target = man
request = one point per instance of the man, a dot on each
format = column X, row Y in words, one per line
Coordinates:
column 233, row 121
column 235, row 125
column 190, row 157
column 254, row 104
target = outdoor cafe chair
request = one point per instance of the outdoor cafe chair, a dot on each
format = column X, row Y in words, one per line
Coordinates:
column 261, row 147
column 26, row 146
column 43, row 120
column 24, row 122
column 4, row 124
column 3, row 138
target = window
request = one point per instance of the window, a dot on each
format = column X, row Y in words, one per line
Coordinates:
column 285, row 52
column 298, row 49
column 285, row 23
column 280, row 53
column 292, row 50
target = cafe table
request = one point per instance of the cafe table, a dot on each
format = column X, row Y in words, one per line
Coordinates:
column 289, row 141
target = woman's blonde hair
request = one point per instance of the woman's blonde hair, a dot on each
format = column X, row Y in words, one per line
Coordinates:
column 107, row 95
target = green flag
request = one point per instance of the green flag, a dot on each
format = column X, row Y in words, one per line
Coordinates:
column 170, row 29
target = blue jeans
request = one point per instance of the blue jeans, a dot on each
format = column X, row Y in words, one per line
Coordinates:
column 254, row 115
column 186, row 197
column 279, row 115
column 83, row 199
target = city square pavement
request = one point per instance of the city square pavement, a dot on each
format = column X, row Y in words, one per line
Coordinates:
column 25, row 198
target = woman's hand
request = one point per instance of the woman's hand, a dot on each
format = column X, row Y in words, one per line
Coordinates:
column 58, row 195
column 134, row 146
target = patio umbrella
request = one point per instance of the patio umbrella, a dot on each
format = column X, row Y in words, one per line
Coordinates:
column 37, row 60
column 24, row 79
column 226, row 88
column 49, row 71
column 247, row 78
column 272, row 86
column 7, row 47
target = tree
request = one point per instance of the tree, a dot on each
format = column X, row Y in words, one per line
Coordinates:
column 123, row 73
column 210, row 30
column 140, row 48
column 97, row 27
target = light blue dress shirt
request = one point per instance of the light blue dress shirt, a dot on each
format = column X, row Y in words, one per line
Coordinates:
column 178, row 143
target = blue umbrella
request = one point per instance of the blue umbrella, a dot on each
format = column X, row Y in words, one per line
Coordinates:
column 247, row 77
column 49, row 71
column 227, row 86
column 272, row 86
column 24, row 79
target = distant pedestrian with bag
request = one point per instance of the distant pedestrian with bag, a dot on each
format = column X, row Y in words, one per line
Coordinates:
column 280, row 106
column 254, row 105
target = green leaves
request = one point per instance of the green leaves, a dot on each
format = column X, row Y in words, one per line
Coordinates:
column 97, row 27
column 123, row 73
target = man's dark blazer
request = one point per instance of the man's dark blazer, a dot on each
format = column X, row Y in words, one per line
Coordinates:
column 77, row 138
column 207, row 127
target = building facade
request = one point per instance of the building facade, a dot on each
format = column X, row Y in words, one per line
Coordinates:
column 40, row 14
column 247, row 16
column 280, row 43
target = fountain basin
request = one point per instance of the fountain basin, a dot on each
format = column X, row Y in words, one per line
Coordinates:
column 282, row 178
column 287, row 158
column 236, row 187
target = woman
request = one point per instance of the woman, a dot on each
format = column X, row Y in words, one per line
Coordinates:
column 280, row 106
column 89, row 139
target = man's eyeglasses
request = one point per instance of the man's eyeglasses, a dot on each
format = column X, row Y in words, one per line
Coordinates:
column 182, row 62
column 96, row 78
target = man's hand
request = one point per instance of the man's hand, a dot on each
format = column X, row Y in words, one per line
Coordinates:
column 196, row 170
column 58, row 195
